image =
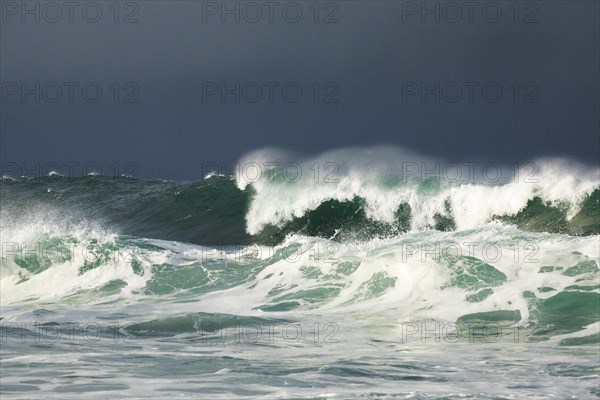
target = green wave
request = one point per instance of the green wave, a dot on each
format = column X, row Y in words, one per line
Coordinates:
column 214, row 212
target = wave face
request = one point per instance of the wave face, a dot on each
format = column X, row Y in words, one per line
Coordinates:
column 349, row 243
column 346, row 203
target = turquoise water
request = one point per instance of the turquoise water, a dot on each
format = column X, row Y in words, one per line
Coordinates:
column 377, row 289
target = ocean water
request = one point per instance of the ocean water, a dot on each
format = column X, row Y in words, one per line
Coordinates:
column 346, row 280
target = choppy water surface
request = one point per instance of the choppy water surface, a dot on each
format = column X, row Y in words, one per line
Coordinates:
column 368, row 286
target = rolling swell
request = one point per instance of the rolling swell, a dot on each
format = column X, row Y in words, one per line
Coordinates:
column 216, row 211
column 209, row 212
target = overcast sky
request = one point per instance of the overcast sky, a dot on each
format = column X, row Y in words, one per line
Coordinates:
column 183, row 82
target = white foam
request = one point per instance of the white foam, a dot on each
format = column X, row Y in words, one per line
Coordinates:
column 362, row 173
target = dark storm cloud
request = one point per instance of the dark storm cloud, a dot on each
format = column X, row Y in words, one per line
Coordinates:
column 361, row 74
